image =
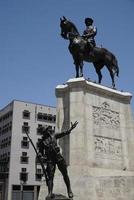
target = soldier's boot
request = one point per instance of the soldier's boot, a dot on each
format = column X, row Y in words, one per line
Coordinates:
column 50, row 189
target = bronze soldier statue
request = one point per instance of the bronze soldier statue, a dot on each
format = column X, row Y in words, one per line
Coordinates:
column 49, row 149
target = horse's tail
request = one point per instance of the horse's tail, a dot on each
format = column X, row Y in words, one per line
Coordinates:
column 113, row 61
column 115, row 64
column 117, row 71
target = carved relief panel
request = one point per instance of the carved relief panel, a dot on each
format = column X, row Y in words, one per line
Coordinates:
column 104, row 116
column 108, row 147
column 107, row 140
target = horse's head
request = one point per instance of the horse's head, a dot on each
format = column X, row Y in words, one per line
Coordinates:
column 64, row 25
column 67, row 27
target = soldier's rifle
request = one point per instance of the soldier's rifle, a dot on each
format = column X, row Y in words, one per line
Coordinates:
column 39, row 158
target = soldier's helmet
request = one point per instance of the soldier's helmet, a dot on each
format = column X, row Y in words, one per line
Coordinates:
column 88, row 21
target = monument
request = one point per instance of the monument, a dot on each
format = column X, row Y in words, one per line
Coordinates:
column 99, row 151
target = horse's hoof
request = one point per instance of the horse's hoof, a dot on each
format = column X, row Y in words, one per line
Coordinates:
column 114, row 88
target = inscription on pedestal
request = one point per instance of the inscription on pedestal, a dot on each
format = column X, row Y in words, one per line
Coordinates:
column 104, row 116
column 115, row 188
column 107, row 147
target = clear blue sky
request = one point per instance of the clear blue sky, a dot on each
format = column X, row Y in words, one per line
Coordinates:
column 34, row 59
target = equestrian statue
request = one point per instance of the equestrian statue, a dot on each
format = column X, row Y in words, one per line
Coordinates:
column 83, row 48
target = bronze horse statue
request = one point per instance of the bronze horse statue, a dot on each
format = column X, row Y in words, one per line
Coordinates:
column 100, row 57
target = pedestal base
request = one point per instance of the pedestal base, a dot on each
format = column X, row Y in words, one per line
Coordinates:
column 98, row 183
column 58, row 197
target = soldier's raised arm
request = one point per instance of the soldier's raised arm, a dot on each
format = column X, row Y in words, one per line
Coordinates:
column 64, row 133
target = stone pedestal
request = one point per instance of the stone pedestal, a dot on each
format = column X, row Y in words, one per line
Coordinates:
column 99, row 151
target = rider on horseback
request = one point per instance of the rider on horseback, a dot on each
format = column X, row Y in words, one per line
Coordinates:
column 85, row 51
column 90, row 32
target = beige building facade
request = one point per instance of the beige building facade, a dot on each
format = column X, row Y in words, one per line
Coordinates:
column 20, row 172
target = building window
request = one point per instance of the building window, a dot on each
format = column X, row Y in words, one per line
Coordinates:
column 37, row 161
column 54, row 118
column 38, row 174
column 25, row 143
column 46, row 117
column 24, row 158
column 16, row 187
column 6, row 116
column 23, row 175
column 3, row 167
column 25, row 127
column 50, row 117
column 23, row 169
column 26, row 114
column 39, row 116
column 5, row 128
column 5, row 142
